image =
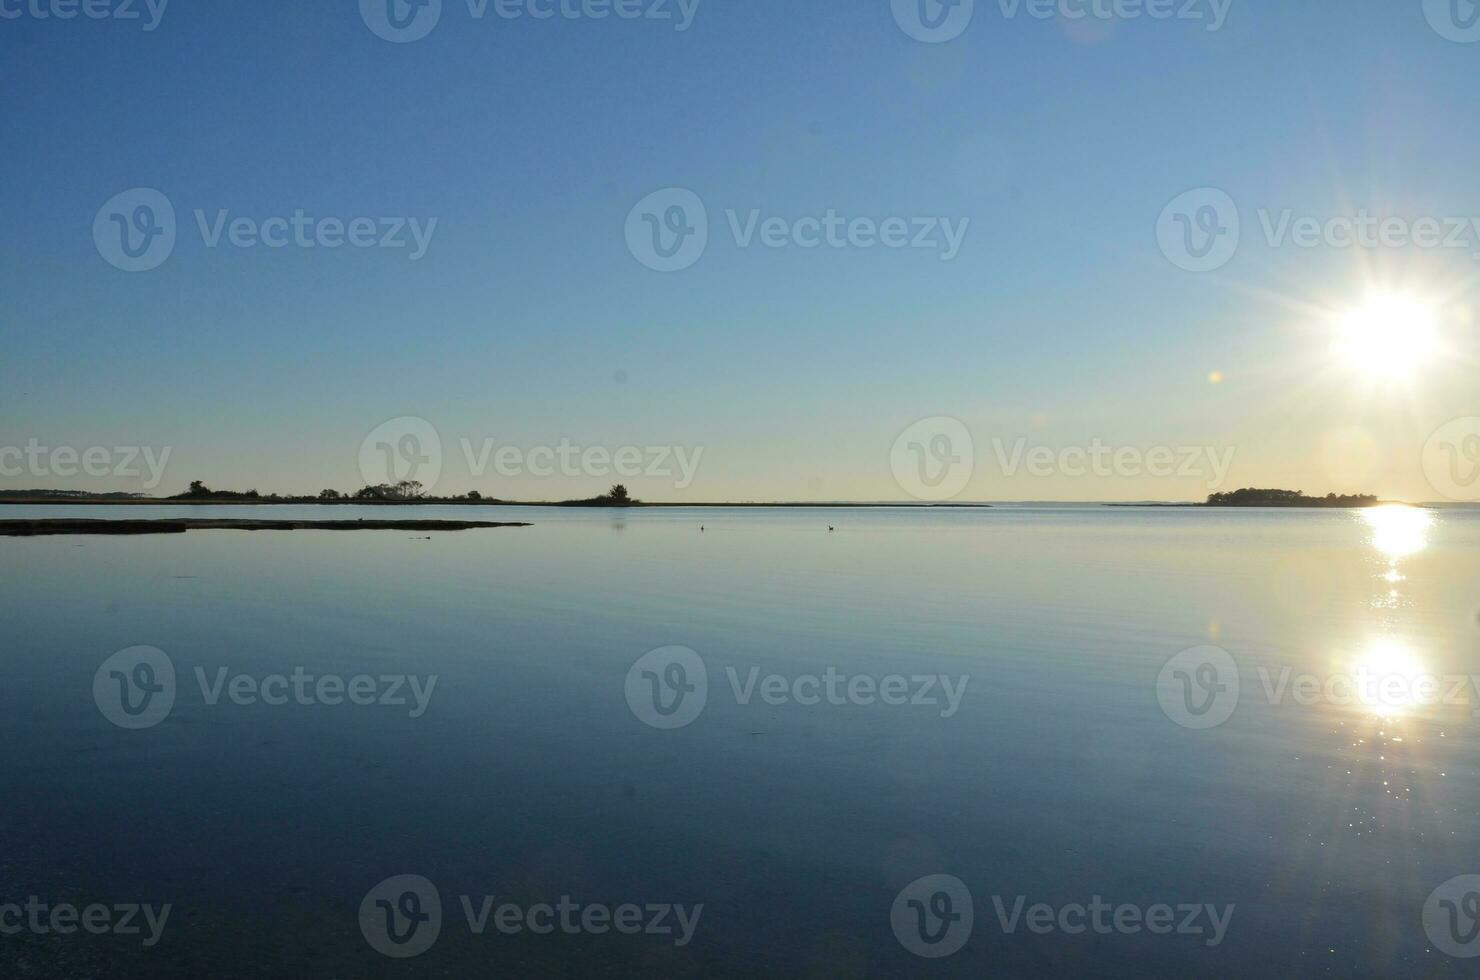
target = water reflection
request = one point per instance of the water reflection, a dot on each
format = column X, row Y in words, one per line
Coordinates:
column 1390, row 678
column 1398, row 530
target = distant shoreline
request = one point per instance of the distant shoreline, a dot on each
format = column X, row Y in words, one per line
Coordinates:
column 55, row 526
column 439, row 502
column 1312, row 505
column 1308, row 503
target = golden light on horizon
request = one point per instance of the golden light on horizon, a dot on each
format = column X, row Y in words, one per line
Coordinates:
column 1389, row 338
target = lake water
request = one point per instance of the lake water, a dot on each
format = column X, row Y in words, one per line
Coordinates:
column 1071, row 768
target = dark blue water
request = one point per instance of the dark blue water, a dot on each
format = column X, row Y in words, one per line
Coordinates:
column 1060, row 776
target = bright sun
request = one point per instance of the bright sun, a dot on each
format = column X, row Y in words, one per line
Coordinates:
column 1389, row 338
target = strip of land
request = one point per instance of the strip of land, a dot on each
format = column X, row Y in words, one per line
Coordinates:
column 1253, row 497
column 80, row 501
column 36, row 528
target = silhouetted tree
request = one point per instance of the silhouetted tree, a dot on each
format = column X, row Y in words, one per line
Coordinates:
column 1256, row 497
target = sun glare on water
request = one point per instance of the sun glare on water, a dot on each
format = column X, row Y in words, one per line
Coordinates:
column 1398, row 530
column 1390, row 680
column 1389, row 338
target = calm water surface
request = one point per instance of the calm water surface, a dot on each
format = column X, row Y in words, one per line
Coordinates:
column 1065, row 773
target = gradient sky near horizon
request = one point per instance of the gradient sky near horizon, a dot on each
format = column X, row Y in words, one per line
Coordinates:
column 529, row 321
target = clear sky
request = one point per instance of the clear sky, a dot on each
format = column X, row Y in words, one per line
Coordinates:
column 1055, row 143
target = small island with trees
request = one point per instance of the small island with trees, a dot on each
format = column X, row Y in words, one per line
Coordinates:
column 56, row 526
column 405, row 492
column 1250, row 497
column 412, row 492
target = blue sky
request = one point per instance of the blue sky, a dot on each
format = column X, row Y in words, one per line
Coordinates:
column 529, row 321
